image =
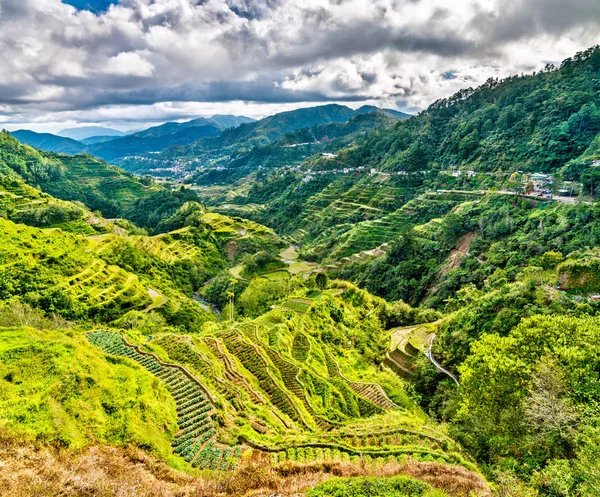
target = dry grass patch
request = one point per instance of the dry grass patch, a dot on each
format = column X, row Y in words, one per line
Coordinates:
column 101, row 471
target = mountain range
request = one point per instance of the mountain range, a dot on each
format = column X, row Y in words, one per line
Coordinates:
column 175, row 138
column 83, row 132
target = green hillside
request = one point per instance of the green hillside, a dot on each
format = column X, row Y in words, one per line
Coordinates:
column 49, row 142
column 56, row 389
column 355, row 202
column 536, row 122
column 79, row 178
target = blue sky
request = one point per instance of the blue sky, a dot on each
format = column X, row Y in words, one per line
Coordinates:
column 92, row 5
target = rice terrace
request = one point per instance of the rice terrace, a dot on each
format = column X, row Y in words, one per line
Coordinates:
column 309, row 248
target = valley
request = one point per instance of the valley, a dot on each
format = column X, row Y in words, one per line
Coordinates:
column 322, row 301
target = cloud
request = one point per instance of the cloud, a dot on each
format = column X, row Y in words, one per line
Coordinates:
column 57, row 62
column 129, row 64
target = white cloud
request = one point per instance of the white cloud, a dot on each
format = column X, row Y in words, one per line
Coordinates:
column 155, row 59
column 129, row 64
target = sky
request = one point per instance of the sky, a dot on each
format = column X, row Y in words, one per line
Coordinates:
column 133, row 63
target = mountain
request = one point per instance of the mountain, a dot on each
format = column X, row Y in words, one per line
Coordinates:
column 158, row 138
column 49, row 142
column 92, row 140
column 81, row 178
column 536, row 123
column 84, row 132
column 207, row 152
column 292, row 148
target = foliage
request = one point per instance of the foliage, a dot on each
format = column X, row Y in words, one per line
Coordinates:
column 530, row 391
column 56, row 389
column 397, row 486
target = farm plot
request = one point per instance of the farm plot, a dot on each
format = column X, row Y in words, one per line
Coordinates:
column 257, row 365
column 300, row 306
column 195, row 440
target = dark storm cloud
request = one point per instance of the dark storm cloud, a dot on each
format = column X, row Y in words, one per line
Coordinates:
column 525, row 19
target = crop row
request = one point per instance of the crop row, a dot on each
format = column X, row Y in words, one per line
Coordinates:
column 309, row 454
column 196, row 428
column 214, row 456
column 256, row 364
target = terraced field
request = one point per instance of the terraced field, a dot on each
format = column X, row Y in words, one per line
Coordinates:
column 100, row 284
column 269, row 387
column 22, row 203
column 196, row 439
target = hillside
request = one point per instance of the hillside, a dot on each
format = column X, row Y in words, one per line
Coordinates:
column 294, row 378
column 534, row 123
column 49, row 142
column 490, row 138
column 283, row 384
column 81, row 178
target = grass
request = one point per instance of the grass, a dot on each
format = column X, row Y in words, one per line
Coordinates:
column 397, row 486
column 55, row 388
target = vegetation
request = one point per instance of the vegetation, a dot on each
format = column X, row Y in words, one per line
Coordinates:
column 79, row 178
column 411, row 327
column 398, row 486
column 55, row 389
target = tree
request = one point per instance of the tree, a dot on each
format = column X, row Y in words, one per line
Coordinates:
column 322, row 280
column 548, row 407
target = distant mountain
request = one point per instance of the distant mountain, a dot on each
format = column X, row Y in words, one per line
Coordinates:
column 227, row 121
column 84, row 132
column 92, row 140
column 158, row 138
column 390, row 112
column 49, row 142
column 271, row 128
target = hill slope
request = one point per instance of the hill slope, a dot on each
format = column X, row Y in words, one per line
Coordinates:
column 49, row 142
column 77, row 178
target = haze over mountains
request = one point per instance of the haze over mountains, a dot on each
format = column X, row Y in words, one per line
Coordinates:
column 83, row 132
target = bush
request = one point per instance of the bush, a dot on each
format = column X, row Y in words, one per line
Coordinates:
column 398, row 486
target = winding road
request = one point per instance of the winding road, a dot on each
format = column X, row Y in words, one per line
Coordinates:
column 438, row 366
